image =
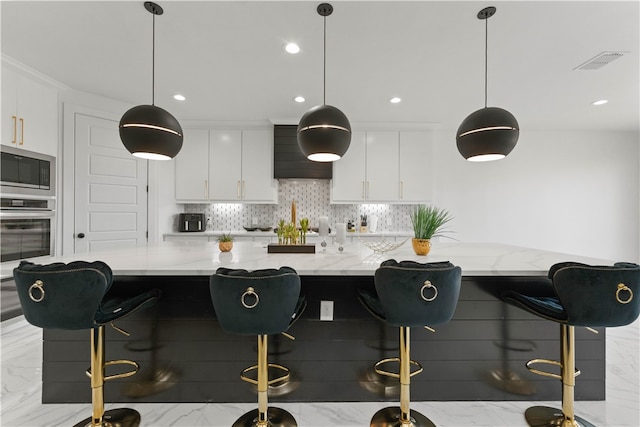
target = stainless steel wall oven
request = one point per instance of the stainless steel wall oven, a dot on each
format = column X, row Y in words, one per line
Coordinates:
column 27, row 210
column 26, row 228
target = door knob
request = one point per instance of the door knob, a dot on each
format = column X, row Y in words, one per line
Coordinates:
column 80, row 235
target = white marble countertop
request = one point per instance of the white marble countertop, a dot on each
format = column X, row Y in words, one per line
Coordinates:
column 259, row 233
column 203, row 258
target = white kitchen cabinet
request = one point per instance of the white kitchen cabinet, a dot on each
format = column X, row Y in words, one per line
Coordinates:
column 258, row 184
column 225, row 160
column 368, row 172
column 189, row 237
column 244, row 238
column 240, row 236
column 416, row 166
column 29, row 113
column 192, row 166
column 382, row 183
column 241, row 166
column 227, row 166
column 349, row 173
column 384, row 167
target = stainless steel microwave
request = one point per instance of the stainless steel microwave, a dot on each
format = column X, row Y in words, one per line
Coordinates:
column 27, row 173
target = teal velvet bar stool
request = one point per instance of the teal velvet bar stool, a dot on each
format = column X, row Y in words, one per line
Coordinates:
column 72, row 297
column 260, row 302
column 585, row 295
column 410, row 294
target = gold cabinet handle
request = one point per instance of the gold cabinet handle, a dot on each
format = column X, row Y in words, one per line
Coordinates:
column 238, row 188
column 362, row 189
column 15, row 129
column 243, row 192
column 368, row 190
column 21, row 130
column 401, row 189
column 206, row 189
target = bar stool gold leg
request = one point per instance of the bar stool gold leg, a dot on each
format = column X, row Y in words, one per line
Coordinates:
column 264, row 415
column 402, row 416
column 544, row 416
column 122, row 417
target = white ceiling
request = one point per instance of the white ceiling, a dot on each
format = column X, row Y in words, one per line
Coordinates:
column 227, row 58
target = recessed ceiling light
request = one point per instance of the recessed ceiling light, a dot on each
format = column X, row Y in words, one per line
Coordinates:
column 179, row 97
column 600, row 102
column 395, row 100
column 299, row 99
column 292, row 48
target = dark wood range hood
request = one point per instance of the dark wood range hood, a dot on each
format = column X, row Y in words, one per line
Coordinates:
column 288, row 160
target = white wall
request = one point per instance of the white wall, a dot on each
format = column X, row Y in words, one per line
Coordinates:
column 566, row 191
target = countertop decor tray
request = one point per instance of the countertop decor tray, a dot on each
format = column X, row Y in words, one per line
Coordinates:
column 275, row 248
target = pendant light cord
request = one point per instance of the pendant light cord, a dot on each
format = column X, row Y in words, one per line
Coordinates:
column 153, row 62
column 324, row 62
column 486, row 61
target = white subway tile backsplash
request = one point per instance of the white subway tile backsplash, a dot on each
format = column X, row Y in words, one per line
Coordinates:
column 312, row 201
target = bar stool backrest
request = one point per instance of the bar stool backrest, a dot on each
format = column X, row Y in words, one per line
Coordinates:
column 414, row 294
column 62, row 296
column 259, row 302
column 598, row 295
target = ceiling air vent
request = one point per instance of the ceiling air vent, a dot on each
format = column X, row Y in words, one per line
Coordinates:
column 600, row 61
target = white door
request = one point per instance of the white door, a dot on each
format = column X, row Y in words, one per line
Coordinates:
column 110, row 188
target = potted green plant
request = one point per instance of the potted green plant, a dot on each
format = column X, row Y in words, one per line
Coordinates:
column 225, row 242
column 427, row 222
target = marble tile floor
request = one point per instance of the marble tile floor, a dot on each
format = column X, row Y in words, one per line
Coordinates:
column 21, row 352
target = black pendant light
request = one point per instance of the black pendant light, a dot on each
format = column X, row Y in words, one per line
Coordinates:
column 148, row 131
column 491, row 132
column 324, row 132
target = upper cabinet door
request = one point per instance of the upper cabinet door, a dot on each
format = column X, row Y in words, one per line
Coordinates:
column 9, row 107
column 385, row 167
column 192, row 166
column 349, row 173
column 225, row 165
column 29, row 113
column 382, row 183
column 416, row 166
column 257, row 184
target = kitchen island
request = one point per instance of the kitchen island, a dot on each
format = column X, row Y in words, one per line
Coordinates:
column 186, row 357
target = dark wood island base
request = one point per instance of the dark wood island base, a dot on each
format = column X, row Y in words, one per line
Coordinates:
column 184, row 356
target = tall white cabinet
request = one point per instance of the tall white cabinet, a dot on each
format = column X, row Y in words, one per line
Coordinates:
column 415, row 169
column 192, row 166
column 382, row 183
column 29, row 112
column 350, row 172
column 226, row 166
column 385, row 167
